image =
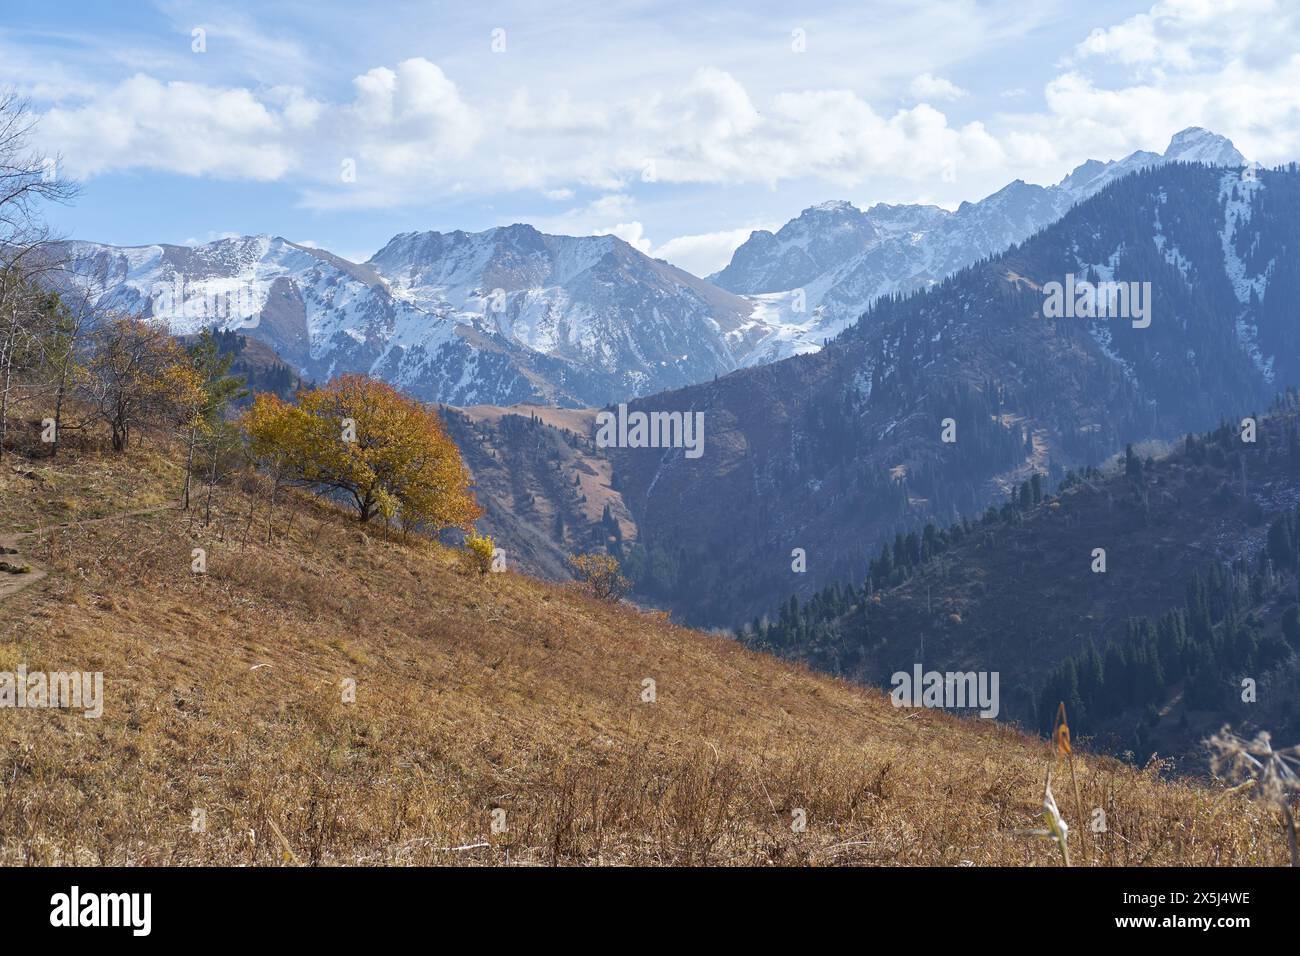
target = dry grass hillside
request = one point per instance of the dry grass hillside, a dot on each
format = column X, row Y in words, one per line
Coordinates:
column 226, row 738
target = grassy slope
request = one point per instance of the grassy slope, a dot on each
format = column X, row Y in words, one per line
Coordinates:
column 223, row 694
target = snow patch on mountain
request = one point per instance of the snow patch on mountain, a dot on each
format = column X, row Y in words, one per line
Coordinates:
column 1237, row 192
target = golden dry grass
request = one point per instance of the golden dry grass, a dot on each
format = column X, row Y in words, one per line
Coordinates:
column 474, row 694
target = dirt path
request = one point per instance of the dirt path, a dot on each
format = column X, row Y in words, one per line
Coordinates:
column 11, row 550
column 11, row 583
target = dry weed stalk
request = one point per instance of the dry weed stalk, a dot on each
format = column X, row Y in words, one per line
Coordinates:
column 1269, row 773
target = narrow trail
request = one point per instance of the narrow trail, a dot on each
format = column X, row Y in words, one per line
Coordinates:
column 11, row 550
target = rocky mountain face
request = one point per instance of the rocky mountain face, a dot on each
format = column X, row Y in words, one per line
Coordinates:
column 322, row 314
column 504, row 316
column 625, row 323
column 833, row 453
column 813, row 277
column 822, row 237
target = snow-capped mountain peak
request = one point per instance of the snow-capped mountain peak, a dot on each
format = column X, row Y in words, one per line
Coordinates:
column 1197, row 145
column 801, row 299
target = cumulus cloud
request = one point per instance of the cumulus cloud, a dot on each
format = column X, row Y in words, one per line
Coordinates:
column 633, row 233
column 704, row 253
column 1227, row 65
column 411, row 131
column 406, row 124
column 1185, row 34
column 701, row 254
column 711, row 132
column 408, row 131
column 930, row 87
column 616, row 214
column 402, row 124
column 178, row 127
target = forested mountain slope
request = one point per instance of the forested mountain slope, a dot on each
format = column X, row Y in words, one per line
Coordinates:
column 1142, row 595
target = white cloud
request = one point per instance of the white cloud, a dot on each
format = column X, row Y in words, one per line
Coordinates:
column 930, row 87
column 613, row 204
column 633, row 233
column 408, row 122
column 1184, row 34
column 705, row 253
column 700, row 255
column 1229, row 66
column 179, row 127
column 712, row 133
column 300, row 112
column 611, row 214
column 403, row 126
column 412, row 135
column 420, row 131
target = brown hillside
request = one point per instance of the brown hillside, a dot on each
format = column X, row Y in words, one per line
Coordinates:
column 224, row 704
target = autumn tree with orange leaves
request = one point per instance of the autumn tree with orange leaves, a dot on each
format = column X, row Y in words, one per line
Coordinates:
column 136, row 376
column 364, row 441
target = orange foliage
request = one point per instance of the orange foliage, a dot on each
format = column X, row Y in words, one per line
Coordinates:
column 387, row 453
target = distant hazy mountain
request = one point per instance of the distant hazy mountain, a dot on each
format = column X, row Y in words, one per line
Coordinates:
column 819, row 272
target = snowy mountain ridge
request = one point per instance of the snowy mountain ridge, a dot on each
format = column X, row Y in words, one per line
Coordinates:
column 812, row 278
column 511, row 314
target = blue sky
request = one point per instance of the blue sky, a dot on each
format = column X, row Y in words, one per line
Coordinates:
column 678, row 126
